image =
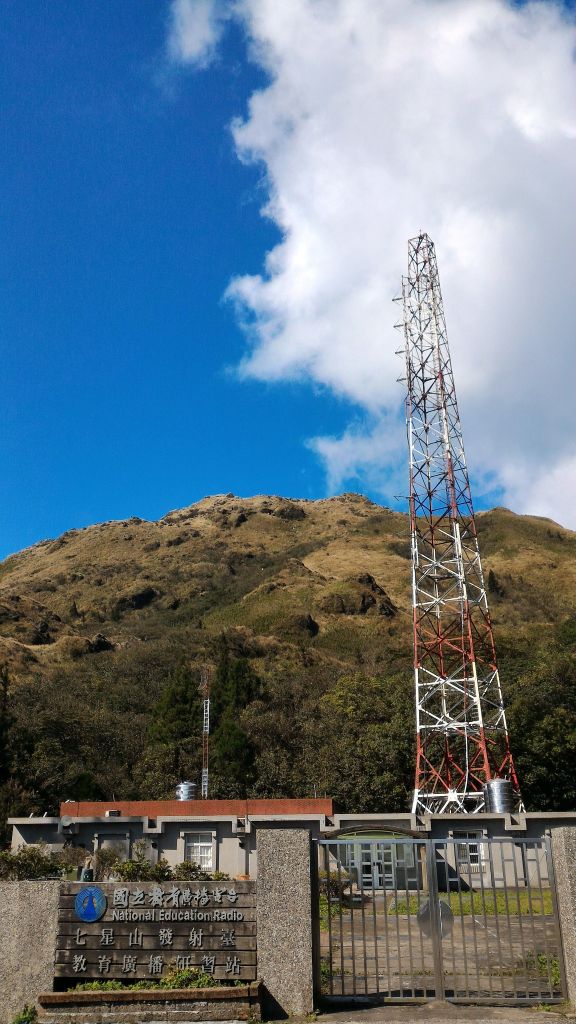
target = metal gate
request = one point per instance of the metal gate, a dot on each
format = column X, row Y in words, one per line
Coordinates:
column 469, row 919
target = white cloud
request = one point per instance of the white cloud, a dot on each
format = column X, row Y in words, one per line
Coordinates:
column 372, row 454
column 457, row 117
column 551, row 493
column 195, row 30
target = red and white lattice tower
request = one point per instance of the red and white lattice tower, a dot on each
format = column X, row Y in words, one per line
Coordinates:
column 462, row 737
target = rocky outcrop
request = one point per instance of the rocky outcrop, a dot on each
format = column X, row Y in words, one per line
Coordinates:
column 299, row 625
column 135, row 600
column 100, row 643
column 358, row 595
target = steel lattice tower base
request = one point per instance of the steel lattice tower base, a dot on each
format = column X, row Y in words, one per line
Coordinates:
column 462, row 737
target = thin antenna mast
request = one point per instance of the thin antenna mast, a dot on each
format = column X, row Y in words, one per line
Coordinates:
column 205, row 681
column 461, row 731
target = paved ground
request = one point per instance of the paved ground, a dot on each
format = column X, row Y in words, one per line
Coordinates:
column 444, row 1013
column 483, row 955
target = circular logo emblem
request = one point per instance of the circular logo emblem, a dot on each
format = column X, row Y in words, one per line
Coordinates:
column 90, row 904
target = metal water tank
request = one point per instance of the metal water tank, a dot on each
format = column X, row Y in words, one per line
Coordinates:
column 186, row 791
column 498, row 796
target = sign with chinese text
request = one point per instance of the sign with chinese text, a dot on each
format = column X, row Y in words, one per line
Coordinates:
column 136, row 931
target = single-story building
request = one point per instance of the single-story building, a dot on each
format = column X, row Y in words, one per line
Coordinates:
column 219, row 835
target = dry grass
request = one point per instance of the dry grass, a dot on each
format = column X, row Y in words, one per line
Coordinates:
column 232, row 562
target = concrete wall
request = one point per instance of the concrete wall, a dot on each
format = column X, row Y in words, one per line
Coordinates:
column 285, row 930
column 29, row 916
column 441, row 826
column 46, row 832
column 236, row 1004
column 284, row 922
column 564, row 858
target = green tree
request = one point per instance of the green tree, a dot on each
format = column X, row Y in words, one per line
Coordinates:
column 367, row 758
column 234, row 687
column 177, row 717
column 542, row 722
column 6, row 726
column 235, row 684
column 71, row 748
column 6, row 742
column 287, row 730
column 231, row 759
column 175, row 751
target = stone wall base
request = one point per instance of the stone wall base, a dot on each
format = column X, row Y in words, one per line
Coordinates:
column 176, row 1006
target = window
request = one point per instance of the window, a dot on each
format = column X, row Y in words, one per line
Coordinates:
column 404, row 853
column 198, row 849
column 469, row 853
column 119, row 842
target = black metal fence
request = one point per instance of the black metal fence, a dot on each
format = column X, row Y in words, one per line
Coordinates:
column 468, row 918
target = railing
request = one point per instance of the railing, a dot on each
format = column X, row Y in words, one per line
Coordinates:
column 463, row 919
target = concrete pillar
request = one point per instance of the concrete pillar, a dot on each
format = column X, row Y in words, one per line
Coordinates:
column 564, row 857
column 29, row 917
column 284, row 917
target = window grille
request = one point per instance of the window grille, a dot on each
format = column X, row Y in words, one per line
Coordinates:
column 469, row 853
column 198, row 849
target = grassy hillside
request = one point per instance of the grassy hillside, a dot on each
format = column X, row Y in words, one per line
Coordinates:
column 303, row 609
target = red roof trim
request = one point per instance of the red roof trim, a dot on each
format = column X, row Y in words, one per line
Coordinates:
column 195, row 808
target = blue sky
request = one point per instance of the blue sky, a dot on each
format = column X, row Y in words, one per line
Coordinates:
column 129, row 205
column 125, row 214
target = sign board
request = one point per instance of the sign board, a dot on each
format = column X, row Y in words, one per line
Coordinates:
column 134, row 931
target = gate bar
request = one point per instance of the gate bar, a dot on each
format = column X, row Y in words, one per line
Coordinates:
column 435, row 919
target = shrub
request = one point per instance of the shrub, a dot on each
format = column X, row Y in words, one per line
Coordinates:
column 326, row 910
column 34, row 861
column 70, row 857
column 99, row 986
column 161, row 871
column 29, row 862
column 333, row 883
column 190, row 872
column 325, row 973
column 29, row 1015
column 191, row 977
column 105, row 861
column 137, row 870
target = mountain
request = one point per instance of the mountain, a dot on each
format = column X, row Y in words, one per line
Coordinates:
column 303, row 610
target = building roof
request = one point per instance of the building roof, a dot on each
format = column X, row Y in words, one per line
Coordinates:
column 195, row 808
